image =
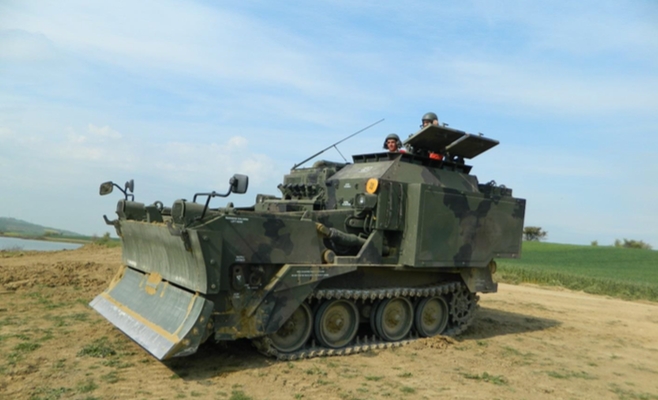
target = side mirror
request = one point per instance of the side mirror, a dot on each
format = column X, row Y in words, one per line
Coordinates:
column 106, row 188
column 239, row 183
column 130, row 186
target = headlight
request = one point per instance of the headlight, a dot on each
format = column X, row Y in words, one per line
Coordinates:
column 365, row 201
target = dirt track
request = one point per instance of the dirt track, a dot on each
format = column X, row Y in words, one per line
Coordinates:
column 526, row 343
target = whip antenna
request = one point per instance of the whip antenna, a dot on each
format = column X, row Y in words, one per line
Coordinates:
column 337, row 143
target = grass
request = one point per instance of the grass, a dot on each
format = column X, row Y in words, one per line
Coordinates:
column 17, row 355
column 111, row 377
column 118, row 364
column 26, row 347
column 407, row 390
column 570, row 375
column 625, row 394
column 86, row 386
column 99, row 348
column 511, row 351
column 630, row 274
column 315, row 371
column 486, row 377
column 10, row 320
column 239, row 395
column 45, row 301
column 49, row 393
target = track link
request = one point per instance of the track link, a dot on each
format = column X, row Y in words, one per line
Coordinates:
column 365, row 343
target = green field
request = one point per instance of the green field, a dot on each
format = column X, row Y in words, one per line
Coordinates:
column 620, row 272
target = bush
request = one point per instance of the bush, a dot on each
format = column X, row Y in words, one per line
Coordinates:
column 103, row 241
column 632, row 244
column 534, row 234
column 595, row 243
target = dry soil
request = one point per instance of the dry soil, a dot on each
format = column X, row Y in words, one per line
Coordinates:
column 526, row 343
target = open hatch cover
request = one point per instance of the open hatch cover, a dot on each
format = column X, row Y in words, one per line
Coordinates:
column 441, row 139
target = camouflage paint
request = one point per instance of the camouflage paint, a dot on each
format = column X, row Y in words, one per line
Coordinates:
column 190, row 273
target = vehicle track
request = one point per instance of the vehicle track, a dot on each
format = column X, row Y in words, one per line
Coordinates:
column 462, row 307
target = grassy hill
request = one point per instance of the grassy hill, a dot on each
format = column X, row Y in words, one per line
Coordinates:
column 17, row 227
column 619, row 272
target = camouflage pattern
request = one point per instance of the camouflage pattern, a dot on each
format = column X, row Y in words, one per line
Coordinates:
column 426, row 234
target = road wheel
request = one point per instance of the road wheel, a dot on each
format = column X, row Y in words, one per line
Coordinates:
column 431, row 317
column 336, row 323
column 394, row 318
column 295, row 331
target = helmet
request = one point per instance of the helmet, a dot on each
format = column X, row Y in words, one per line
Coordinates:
column 430, row 116
column 392, row 136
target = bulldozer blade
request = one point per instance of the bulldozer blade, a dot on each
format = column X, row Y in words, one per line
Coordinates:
column 152, row 248
column 164, row 319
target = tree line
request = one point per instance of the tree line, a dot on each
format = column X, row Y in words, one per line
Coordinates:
column 537, row 234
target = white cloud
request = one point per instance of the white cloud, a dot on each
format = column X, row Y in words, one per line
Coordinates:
column 76, row 138
column 237, row 142
column 103, row 132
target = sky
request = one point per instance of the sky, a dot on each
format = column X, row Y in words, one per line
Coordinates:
column 179, row 96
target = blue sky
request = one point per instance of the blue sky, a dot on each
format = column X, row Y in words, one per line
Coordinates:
column 181, row 95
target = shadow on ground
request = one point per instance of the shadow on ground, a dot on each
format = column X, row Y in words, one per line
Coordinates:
column 490, row 322
column 217, row 359
column 212, row 360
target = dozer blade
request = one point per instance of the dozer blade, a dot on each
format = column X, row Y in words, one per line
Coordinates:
column 164, row 319
column 151, row 248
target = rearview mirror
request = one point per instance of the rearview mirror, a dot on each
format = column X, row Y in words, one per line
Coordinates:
column 130, row 186
column 106, row 188
column 239, row 183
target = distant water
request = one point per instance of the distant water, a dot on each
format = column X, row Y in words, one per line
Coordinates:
column 39, row 245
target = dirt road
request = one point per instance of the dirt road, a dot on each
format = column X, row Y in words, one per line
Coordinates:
column 527, row 343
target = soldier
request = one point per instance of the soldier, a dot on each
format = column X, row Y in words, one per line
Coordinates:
column 429, row 118
column 393, row 144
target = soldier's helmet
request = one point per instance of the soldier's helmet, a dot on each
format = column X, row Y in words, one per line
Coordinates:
column 430, row 116
column 393, row 136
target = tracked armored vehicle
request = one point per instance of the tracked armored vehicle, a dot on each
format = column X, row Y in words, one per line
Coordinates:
column 349, row 257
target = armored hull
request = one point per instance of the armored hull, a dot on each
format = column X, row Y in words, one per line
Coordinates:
column 349, row 257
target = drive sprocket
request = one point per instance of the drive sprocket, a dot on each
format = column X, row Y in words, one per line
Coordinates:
column 462, row 306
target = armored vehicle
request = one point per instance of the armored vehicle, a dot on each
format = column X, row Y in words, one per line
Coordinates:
column 349, row 257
